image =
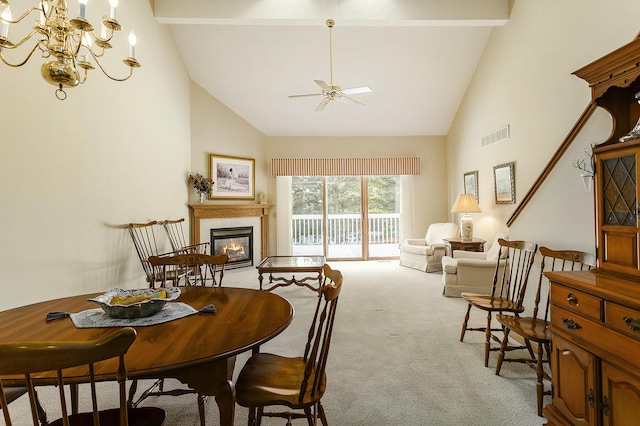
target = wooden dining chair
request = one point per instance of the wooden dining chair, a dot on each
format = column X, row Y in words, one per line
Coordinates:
column 535, row 328
column 145, row 242
column 11, row 393
column 298, row 383
column 179, row 243
column 201, row 269
column 195, row 270
column 29, row 360
column 507, row 291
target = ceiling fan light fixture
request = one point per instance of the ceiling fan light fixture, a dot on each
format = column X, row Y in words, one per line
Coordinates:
column 333, row 92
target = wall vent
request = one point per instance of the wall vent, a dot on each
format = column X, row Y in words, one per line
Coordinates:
column 496, row 136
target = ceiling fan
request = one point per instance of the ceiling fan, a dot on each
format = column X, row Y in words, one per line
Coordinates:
column 332, row 92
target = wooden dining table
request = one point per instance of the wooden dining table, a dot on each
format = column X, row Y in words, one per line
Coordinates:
column 198, row 350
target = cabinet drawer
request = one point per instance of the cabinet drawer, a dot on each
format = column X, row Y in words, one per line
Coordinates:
column 577, row 301
column 595, row 333
column 623, row 319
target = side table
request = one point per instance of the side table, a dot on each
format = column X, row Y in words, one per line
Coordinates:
column 451, row 244
column 293, row 265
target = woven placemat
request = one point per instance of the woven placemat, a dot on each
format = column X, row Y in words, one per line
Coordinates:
column 96, row 318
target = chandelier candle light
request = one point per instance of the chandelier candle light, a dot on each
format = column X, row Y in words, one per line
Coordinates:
column 68, row 42
column 466, row 203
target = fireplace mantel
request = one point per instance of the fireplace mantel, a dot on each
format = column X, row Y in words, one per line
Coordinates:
column 198, row 212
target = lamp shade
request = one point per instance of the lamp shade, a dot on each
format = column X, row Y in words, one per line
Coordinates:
column 466, row 203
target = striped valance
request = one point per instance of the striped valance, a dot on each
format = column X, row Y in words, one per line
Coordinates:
column 344, row 166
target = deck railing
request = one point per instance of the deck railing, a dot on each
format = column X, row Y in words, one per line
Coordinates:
column 345, row 229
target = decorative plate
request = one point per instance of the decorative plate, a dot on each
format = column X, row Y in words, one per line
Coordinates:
column 121, row 303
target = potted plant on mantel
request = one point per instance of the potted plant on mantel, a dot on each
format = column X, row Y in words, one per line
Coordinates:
column 201, row 184
column 585, row 165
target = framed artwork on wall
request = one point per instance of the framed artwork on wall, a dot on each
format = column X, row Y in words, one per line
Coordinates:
column 505, row 183
column 471, row 184
column 233, row 177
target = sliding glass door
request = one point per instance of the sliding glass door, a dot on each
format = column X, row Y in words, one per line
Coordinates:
column 307, row 220
column 383, row 213
column 345, row 217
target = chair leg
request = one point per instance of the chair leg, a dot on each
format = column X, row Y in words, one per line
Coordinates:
column 310, row 417
column 252, row 416
column 132, row 391
column 540, row 373
column 503, row 348
column 487, row 343
column 201, row 400
column 259, row 416
column 529, row 348
column 323, row 417
column 75, row 395
column 464, row 323
column 42, row 414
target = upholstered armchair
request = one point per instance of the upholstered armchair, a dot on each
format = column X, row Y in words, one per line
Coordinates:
column 471, row 271
column 426, row 253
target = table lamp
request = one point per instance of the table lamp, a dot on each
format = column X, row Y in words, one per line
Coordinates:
column 466, row 203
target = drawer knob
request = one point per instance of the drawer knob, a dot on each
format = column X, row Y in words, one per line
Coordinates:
column 633, row 324
column 570, row 324
column 572, row 299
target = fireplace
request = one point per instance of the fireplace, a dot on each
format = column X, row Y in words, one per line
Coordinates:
column 237, row 243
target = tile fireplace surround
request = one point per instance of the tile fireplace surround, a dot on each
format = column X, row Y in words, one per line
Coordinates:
column 259, row 212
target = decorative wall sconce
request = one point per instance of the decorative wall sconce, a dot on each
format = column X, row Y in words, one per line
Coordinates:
column 585, row 165
column 68, row 43
column 587, row 179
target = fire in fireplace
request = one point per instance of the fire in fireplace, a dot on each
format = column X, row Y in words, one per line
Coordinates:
column 236, row 242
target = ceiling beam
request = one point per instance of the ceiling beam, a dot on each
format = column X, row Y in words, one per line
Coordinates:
column 346, row 12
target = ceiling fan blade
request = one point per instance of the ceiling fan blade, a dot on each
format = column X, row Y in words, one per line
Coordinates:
column 323, row 85
column 302, row 96
column 356, row 90
column 322, row 104
column 351, row 102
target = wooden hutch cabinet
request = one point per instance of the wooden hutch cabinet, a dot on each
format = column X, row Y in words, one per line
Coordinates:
column 595, row 315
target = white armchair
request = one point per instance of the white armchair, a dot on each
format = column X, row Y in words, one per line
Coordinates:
column 426, row 253
column 471, row 271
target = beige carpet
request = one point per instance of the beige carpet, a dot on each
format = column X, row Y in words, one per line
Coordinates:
column 395, row 357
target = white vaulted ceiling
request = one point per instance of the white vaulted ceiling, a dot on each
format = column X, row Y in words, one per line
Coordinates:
column 418, row 57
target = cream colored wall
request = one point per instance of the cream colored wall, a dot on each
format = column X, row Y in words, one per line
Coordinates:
column 429, row 192
column 73, row 172
column 524, row 80
column 215, row 129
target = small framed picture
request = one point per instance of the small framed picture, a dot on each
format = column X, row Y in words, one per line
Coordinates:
column 233, row 177
column 505, row 183
column 471, row 184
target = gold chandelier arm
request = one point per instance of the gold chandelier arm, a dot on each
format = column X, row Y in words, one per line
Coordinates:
column 95, row 40
column 105, row 72
column 21, row 63
column 24, row 15
column 21, row 42
column 60, row 40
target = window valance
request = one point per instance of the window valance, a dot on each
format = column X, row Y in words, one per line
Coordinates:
column 344, row 166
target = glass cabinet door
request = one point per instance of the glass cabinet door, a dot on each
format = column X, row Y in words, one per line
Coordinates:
column 619, row 191
column 617, row 207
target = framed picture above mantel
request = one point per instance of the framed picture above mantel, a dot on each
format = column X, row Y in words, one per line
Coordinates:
column 233, row 177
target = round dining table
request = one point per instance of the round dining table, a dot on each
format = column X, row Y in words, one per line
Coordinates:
column 199, row 350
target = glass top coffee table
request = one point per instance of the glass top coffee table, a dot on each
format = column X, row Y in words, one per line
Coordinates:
column 295, row 265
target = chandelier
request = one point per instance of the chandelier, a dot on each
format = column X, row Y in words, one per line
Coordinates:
column 68, row 43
